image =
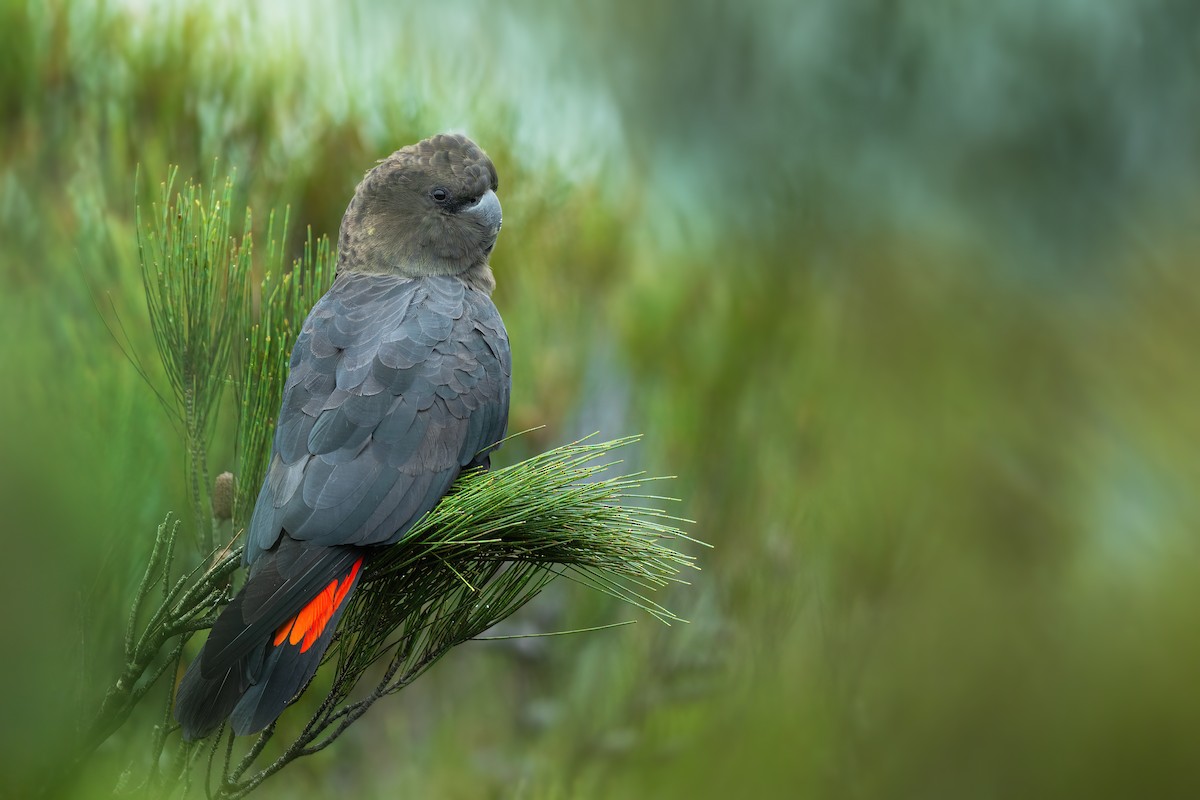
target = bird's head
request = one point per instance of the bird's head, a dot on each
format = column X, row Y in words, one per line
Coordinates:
column 427, row 209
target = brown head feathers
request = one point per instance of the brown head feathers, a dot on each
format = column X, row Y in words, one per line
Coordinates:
column 427, row 209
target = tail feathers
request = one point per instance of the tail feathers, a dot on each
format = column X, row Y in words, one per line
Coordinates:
column 202, row 704
column 289, row 666
column 255, row 689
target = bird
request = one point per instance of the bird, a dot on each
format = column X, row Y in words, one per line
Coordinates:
column 399, row 381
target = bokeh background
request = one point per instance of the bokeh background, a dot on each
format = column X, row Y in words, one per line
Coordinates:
column 904, row 293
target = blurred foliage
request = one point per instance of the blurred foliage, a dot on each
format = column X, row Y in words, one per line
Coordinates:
column 905, row 293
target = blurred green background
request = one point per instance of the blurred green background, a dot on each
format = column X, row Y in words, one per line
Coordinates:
column 904, row 293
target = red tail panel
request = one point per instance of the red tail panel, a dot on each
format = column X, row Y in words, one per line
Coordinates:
column 306, row 627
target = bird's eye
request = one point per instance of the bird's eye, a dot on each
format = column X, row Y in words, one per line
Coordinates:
column 439, row 194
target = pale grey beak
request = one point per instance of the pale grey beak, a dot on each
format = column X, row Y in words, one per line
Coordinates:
column 486, row 211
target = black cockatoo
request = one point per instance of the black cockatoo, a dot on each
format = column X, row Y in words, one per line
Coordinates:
column 399, row 381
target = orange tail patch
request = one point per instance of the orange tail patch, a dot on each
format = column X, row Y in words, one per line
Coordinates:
column 306, row 627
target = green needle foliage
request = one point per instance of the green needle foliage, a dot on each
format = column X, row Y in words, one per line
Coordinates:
column 485, row 551
column 494, row 542
column 195, row 276
column 154, row 642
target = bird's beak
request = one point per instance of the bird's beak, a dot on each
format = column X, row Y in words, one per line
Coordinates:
column 486, row 212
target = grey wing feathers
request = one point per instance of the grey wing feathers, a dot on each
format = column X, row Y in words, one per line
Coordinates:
column 396, row 385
